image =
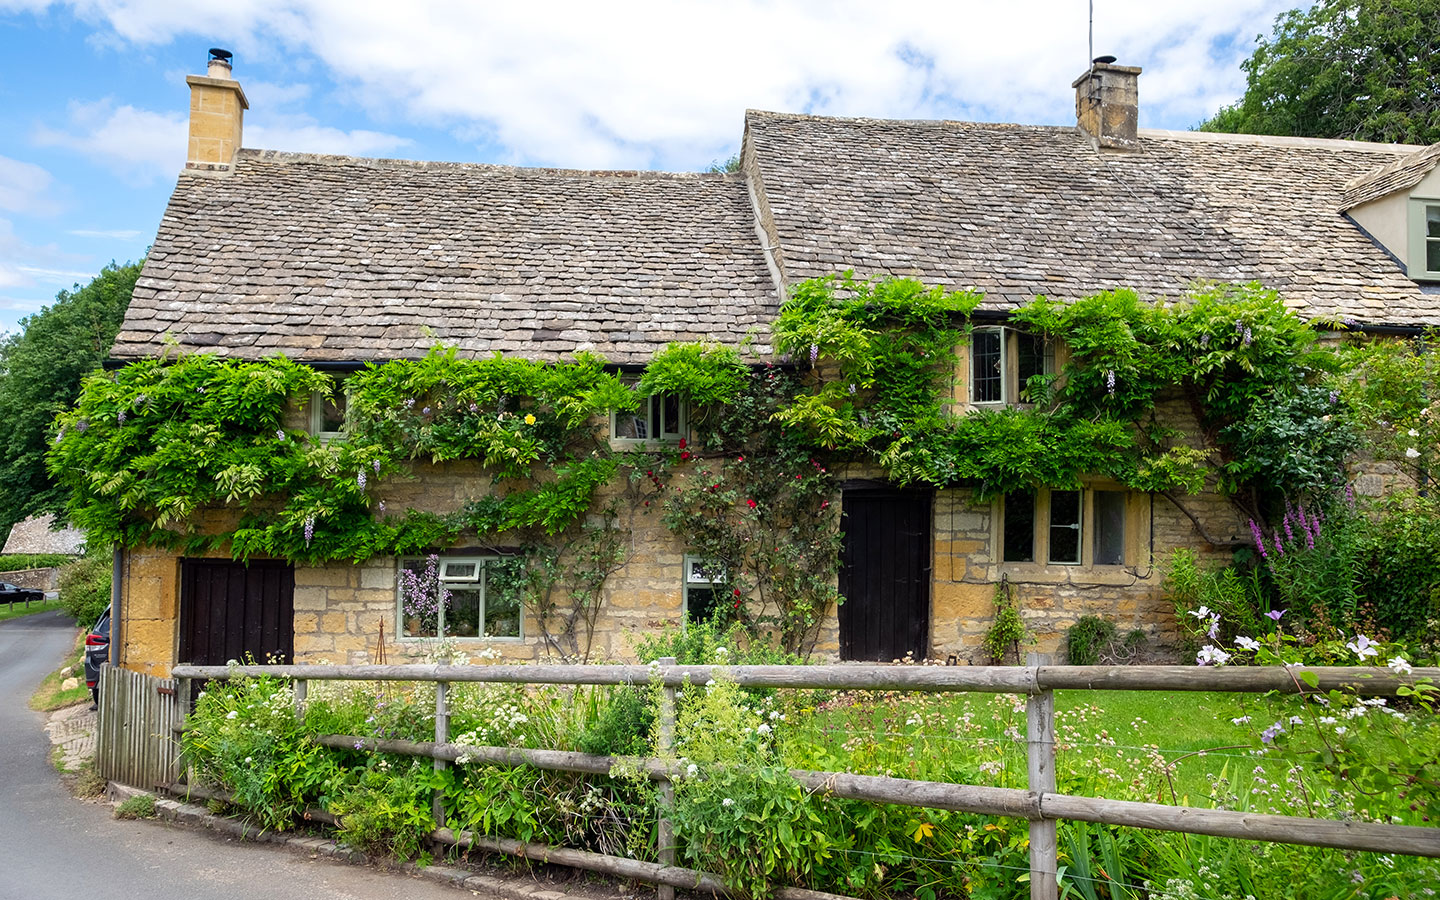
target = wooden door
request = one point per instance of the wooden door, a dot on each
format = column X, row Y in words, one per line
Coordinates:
column 229, row 610
column 885, row 574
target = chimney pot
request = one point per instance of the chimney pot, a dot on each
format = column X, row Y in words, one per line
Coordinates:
column 1107, row 104
column 217, row 113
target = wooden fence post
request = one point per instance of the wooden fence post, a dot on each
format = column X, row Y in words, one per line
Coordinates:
column 183, row 690
column 302, row 691
column 442, row 736
column 1040, row 757
column 665, row 830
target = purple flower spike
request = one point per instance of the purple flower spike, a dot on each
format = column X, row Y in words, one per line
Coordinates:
column 360, row 480
column 309, row 529
column 814, row 353
column 1275, row 614
column 1268, row 735
column 1259, row 539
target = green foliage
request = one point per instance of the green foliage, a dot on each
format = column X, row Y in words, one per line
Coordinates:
column 386, row 810
column 1087, row 638
column 705, row 643
column 85, row 587
column 761, row 508
column 1007, row 630
column 1358, row 69
column 623, row 728
column 141, row 806
column 15, row 561
column 1398, row 566
column 1238, row 598
column 703, row 375
column 41, row 369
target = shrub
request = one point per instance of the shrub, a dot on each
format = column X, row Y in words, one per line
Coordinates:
column 388, row 812
column 1087, row 639
column 1007, row 632
column 85, row 587
column 706, row 644
column 622, row 727
column 13, row 562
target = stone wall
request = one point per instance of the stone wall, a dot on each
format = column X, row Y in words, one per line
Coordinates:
column 47, row 579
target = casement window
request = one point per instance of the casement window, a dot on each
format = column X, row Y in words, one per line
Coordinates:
column 1002, row 362
column 704, row 588
column 327, row 413
column 660, row 418
column 1424, row 255
column 460, row 597
column 1064, row 528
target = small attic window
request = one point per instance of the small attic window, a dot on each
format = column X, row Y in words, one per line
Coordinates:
column 327, row 413
column 1424, row 240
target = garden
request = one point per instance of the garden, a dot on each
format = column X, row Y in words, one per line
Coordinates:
column 739, row 813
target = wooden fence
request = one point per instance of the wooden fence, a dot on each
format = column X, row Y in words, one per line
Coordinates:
column 1039, row 803
column 135, row 737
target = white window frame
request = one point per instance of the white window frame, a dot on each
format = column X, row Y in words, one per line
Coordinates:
column 476, row 581
column 317, row 409
column 1010, row 386
column 1418, row 268
column 694, row 574
column 648, row 404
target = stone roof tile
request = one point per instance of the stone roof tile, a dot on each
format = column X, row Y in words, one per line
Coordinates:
column 1015, row 210
column 358, row 259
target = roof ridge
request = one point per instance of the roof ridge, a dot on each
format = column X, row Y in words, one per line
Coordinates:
column 1396, row 175
column 286, row 157
column 1279, row 140
column 814, row 117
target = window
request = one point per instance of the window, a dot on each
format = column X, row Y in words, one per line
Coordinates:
column 704, row 588
column 461, row 597
column 659, row 418
column 1424, row 255
column 1002, row 362
column 1064, row 528
column 1109, row 528
column 1019, row 530
column 327, row 413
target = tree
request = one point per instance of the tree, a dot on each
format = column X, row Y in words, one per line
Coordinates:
column 41, row 368
column 1359, row 69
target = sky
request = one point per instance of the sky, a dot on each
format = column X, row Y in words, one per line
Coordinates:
column 93, row 100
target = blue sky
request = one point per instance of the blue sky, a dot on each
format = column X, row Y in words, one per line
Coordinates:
column 93, row 96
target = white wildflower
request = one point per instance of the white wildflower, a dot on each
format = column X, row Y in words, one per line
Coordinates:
column 1399, row 666
column 1412, row 453
column 727, row 802
column 1247, row 643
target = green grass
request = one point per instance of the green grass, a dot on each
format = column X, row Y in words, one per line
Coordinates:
column 17, row 610
column 50, row 696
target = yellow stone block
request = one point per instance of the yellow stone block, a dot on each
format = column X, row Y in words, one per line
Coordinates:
column 332, row 623
column 148, row 642
column 306, row 623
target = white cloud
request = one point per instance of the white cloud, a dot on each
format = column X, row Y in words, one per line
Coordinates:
column 120, row 234
column 139, row 145
column 142, row 146
column 24, row 187
column 664, row 82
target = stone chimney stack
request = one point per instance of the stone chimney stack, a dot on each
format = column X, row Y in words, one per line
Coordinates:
column 217, row 113
column 1107, row 104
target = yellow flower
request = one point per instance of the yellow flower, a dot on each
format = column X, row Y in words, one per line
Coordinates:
column 529, row 419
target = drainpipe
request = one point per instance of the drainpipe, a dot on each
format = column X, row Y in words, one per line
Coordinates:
column 115, row 606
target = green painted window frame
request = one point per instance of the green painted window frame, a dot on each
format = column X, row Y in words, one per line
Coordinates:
column 701, row 574
column 467, row 573
column 652, row 415
column 1420, row 241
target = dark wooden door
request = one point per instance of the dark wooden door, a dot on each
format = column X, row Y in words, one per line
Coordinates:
column 230, row 609
column 885, row 574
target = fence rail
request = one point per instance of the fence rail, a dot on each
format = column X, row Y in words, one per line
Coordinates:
column 134, row 740
column 1040, row 803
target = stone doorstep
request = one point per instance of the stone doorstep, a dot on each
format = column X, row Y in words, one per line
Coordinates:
column 189, row 814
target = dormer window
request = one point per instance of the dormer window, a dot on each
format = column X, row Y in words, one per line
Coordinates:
column 1002, row 362
column 1425, row 240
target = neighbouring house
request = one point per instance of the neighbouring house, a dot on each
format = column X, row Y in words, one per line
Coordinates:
column 337, row 262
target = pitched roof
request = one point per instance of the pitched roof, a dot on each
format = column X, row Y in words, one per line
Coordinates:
column 1402, row 174
column 37, row 534
column 338, row 258
column 1018, row 210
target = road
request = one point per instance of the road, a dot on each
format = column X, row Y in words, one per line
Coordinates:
column 55, row 847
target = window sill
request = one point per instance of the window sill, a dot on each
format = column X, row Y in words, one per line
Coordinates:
column 407, row 639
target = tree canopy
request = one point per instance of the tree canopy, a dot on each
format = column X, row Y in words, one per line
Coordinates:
column 41, row 368
column 1358, row 69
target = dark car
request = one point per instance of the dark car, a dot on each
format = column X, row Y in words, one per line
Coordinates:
column 97, row 651
column 11, row 593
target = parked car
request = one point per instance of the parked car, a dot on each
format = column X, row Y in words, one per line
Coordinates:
column 97, row 651
column 13, row 593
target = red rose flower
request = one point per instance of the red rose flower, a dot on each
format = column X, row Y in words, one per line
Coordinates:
column 685, row 454
column 752, row 503
column 682, row 443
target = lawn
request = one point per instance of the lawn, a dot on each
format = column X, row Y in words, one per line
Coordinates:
column 17, row 610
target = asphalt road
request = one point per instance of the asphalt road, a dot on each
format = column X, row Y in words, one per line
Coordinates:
column 55, row 846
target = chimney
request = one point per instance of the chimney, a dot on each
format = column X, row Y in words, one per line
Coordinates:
column 1107, row 104
column 217, row 112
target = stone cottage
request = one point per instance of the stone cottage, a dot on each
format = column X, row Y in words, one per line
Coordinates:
column 340, row 261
